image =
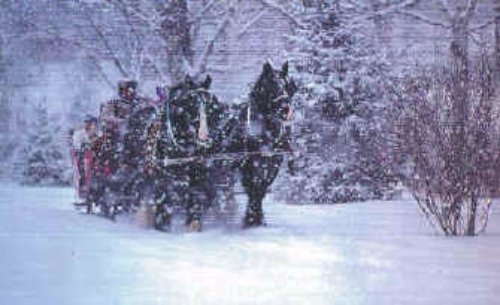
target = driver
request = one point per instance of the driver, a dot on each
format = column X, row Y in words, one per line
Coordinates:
column 115, row 115
column 118, row 110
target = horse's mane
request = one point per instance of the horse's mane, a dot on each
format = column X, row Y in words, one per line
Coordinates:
column 261, row 83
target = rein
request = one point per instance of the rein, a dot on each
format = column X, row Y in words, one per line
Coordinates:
column 170, row 132
column 226, row 156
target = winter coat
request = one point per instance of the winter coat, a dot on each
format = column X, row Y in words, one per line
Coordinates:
column 80, row 140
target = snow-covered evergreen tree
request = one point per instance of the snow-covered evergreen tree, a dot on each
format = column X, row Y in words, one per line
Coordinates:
column 339, row 124
column 45, row 162
column 6, row 139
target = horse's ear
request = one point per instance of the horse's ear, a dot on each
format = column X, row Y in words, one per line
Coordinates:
column 268, row 69
column 160, row 92
column 207, row 82
column 284, row 69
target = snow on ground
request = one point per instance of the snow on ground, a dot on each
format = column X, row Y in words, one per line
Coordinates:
column 364, row 253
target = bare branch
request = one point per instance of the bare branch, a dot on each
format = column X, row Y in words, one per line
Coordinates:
column 201, row 67
column 127, row 14
column 445, row 5
column 283, row 12
column 393, row 9
column 88, row 52
column 424, row 19
column 247, row 26
column 105, row 43
column 358, row 5
column 55, row 32
column 469, row 10
column 483, row 25
column 396, row 7
column 100, row 71
column 204, row 10
column 136, row 12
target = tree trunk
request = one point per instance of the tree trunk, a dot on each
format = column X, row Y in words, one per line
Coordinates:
column 471, row 226
column 176, row 32
column 497, row 46
column 459, row 56
column 5, row 107
column 458, row 158
column 459, row 111
column 381, row 24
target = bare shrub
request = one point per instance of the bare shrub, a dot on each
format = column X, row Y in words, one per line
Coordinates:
column 452, row 154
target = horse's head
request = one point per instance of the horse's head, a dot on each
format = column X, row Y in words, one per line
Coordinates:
column 189, row 92
column 187, row 104
column 273, row 92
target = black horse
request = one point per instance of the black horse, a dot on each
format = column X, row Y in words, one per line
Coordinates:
column 259, row 137
column 179, row 142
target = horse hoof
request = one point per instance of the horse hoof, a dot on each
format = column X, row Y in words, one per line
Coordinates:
column 89, row 208
column 163, row 228
column 163, row 223
column 253, row 222
column 194, row 226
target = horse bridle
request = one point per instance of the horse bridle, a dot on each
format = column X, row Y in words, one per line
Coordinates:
column 287, row 120
column 284, row 122
column 205, row 97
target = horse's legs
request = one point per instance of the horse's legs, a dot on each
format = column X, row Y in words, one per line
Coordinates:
column 230, row 207
column 258, row 174
column 200, row 195
column 254, row 187
column 254, row 215
column 194, row 210
column 172, row 190
column 163, row 210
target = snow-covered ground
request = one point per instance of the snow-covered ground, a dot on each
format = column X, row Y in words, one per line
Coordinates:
column 364, row 253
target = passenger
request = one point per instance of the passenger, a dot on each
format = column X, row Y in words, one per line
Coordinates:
column 82, row 140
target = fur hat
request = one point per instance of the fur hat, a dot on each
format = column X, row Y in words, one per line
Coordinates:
column 90, row 119
column 127, row 84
